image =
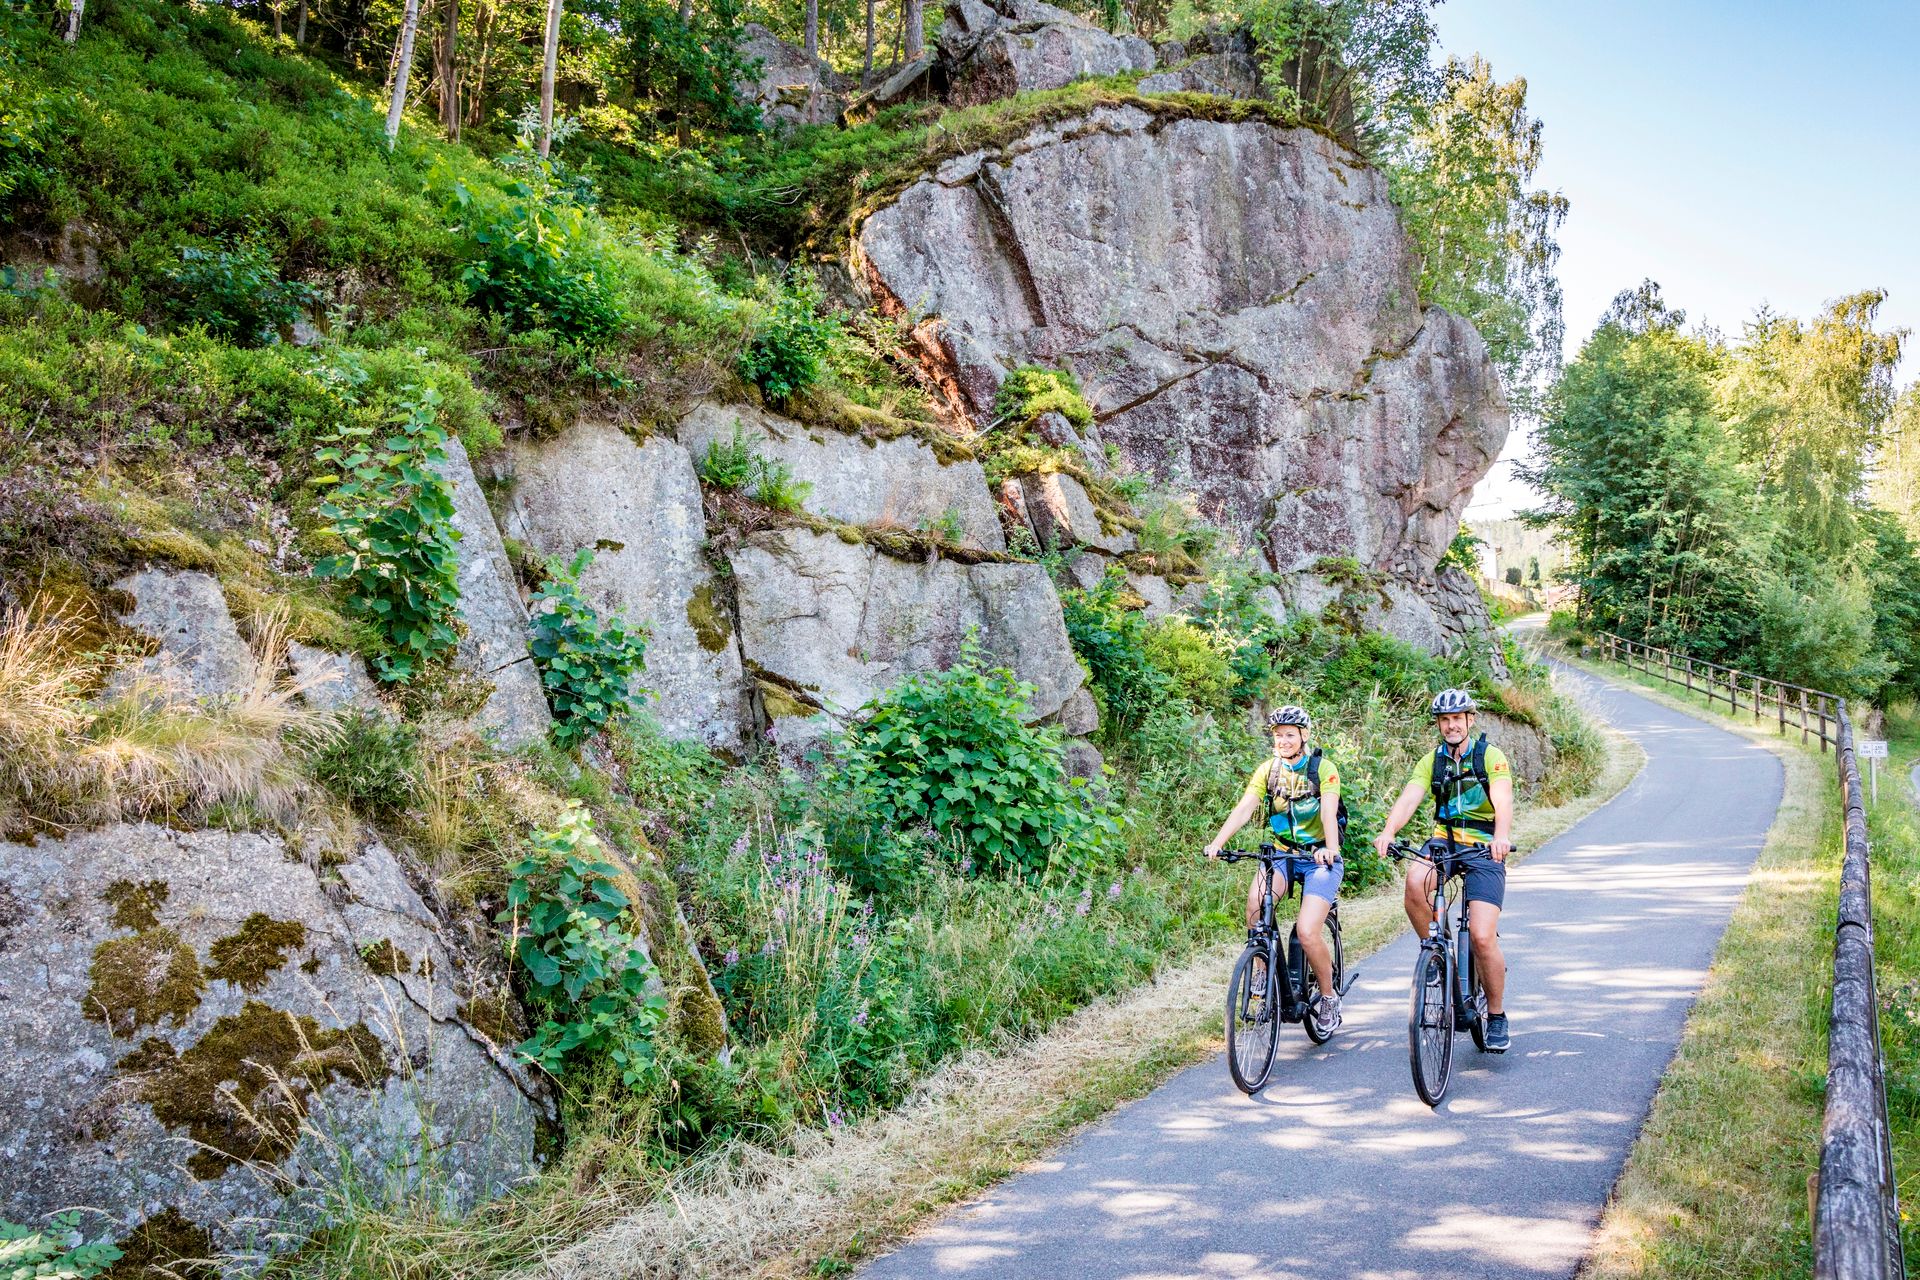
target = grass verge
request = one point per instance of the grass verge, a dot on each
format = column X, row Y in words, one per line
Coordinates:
column 1716, row 1184
column 838, row 1196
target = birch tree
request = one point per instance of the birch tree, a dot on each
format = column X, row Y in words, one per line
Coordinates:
column 546, row 77
column 73, row 20
column 409, row 25
column 813, row 31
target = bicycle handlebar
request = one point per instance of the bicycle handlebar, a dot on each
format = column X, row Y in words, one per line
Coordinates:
column 1400, row 851
column 1268, row 853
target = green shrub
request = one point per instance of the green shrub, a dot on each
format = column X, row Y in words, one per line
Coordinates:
column 587, row 662
column 1111, row 639
column 237, row 294
column 539, row 258
column 585, row 968
column 951, row 750
column 53, row 1252
column 1031, row 391
column 1188, row 657
column 730, row 463
column 372, row 762
column 394, row 511
column 790, row 340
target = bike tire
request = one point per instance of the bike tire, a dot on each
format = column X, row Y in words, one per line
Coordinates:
column 1339, row 979
column 1430, row 1025
column 1250, row 1040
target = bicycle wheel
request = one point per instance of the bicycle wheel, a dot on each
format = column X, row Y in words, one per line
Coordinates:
column 1339, row 978
column 1430, row 1026
column 1253, row 1024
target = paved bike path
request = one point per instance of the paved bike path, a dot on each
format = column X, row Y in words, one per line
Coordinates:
column 1337, row 1169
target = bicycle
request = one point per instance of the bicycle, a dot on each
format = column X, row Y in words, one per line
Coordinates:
column 1253, row 1030
column 1448, row 995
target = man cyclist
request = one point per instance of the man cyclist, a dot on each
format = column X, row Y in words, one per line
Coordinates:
column 1472, row 788
column 1298, row 791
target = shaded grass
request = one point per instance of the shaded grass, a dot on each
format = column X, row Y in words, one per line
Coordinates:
column 1717, row 1182
column 1894, row 826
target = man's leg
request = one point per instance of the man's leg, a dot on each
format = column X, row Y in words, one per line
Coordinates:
column 1483, row 925
column 1313, row 939
column 1419, row 900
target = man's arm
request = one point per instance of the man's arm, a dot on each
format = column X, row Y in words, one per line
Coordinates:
column 1403, row 809
column 1501, row 790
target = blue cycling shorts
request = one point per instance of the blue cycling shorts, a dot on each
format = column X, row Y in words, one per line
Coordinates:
column 1321, row 882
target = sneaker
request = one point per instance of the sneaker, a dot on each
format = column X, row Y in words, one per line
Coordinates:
column 1327, row 1014
column 1497, row 1037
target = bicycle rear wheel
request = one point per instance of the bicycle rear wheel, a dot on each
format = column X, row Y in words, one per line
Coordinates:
column 1253, row 1022
column 1339, row 978
column 1430, row 1025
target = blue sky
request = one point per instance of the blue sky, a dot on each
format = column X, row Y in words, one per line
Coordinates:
column 1738, row 153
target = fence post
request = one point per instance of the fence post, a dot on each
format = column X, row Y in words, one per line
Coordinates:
column 1803, row 718
column 1756, row 699
column 1780, row 701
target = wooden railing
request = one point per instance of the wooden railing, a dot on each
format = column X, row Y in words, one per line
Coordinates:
column 1815, row 713
column 1856, row 1216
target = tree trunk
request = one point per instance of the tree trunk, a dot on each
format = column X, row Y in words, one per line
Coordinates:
column 813, row 30
column 686, row 13
column 546, row 77
column 73, row 20
column 483, row 32
column 916, row 23
column 403, row 66
column 277, row 30
column 300, row 26
column 866, row 71
column 447, row 69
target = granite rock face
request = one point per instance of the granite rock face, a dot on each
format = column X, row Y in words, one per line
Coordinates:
column 790, row 89
column 1241, row 303
column 836, row 623
column 1222, row 63
column 898, row 482
column 332, row 681
column 201, row 651
column 993, row 49
column 494, row 647
column 198, row 1023
column 639, row 504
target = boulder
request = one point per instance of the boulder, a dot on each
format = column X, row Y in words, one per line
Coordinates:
column 1152, row 589
column 1062, row 515
column 1087, row 569
column 1079, row 715
column 332, row 681
column 1221, row 63
column 834, row 623
column 1083, row 760
column 858, row 479
column 494, row 647
column 200, row 649
column 993, row 49
column 639, row 504
column 790, row 89
column 1242, row 303
column 202, row 1028
column 917, row 81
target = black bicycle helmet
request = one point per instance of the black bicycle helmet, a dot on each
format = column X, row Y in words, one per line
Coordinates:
column 1451, row 700
column 1292, row 715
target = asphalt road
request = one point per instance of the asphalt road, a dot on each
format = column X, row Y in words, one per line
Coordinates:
column 1337, row 1169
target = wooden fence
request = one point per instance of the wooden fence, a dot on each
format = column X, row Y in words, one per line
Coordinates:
column 1856, row 1217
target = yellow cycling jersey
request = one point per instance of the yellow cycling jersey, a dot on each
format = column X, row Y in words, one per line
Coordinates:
column 1302, row 824
column 1468, row 806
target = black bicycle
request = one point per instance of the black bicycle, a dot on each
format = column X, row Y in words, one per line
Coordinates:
column 1448, row 995
column 1258, row 1001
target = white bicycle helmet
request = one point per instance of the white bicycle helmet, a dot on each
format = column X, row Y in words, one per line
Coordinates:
column 1451, row 700
column 1292, row 715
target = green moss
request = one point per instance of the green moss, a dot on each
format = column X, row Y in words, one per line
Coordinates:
column 135, row 905
column 497, row 1017
column 696, row 1019
column 709, row 620
column 385, row 959
column 249, row 957
column 137, row 981
column 242, row 1089
column 167, row 1246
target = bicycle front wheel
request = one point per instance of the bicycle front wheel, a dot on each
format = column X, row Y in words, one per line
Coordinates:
column 1430, row 1026
column 1253, row 1023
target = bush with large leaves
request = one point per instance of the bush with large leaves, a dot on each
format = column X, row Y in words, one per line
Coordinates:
column 951, row 750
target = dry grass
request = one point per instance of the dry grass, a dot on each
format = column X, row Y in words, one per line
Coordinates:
column 836, row 1195
column 148, row 750
column 1716, row 1184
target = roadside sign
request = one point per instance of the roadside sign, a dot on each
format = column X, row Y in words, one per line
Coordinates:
column 1871, row 748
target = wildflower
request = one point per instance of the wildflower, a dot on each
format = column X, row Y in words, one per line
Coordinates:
column 1139, row 872
column 741, row 846
column 779, row 915
column 773, row 945
column 866, row 906
column 966, row 866
column 1113, row 892
column 835, row 1119
column 733, row 956
column 861, row 939
column 1085, row 904
column 860, row 1016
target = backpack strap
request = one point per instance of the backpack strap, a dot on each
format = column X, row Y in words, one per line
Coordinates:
column 1313, row 772
column 1477, row 759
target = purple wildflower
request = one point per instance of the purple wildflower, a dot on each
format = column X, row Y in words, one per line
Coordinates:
column 860, row 1017
column 861, row 939
column 733, row 956
column 1113, row 892
column 779, row 915
column 741, row 845
column 835, row 1119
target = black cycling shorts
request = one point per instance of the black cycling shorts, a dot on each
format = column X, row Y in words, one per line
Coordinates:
column 1486, row 880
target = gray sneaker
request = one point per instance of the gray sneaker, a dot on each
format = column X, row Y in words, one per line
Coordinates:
column 1497, row 1037
column 1327, row 1014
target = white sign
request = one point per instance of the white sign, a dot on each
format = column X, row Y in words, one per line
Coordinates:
column 1871, row 748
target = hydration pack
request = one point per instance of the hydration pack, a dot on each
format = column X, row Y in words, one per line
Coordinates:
column 1446, row 777
column 1313, row 781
